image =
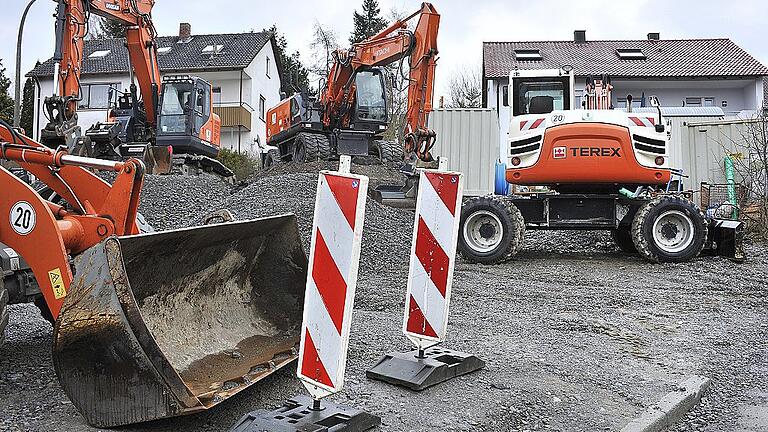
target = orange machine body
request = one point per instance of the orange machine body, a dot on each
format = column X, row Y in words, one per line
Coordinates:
column 46, row 234
column 591, row 153
column 279, row 117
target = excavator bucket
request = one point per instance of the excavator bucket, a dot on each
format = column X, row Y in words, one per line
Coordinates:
column 171, row 323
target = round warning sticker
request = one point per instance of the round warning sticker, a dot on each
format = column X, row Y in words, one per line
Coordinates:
column 23, row 218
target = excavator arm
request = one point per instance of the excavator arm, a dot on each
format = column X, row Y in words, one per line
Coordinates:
column 393, row 44
column 71, row 30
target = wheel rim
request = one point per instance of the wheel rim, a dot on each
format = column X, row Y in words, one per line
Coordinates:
column 673, row 231
column 483, row 231
column 300, row 153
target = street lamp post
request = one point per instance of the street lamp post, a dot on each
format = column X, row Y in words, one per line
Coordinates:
column 17, row 104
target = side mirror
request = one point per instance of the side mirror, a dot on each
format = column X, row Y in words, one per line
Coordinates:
column 654, row 101
column 283, row 96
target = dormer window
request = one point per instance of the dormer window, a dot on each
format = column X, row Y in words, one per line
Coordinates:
column 212, row 49
column 527, row 55
column 630, row 54
column 99, row 54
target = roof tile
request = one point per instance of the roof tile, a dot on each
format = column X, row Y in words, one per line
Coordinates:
column 665, row 58
column 239, row 50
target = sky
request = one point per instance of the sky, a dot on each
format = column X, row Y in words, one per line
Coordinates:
column 464, row 26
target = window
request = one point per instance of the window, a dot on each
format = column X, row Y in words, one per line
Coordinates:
column 267, row 67
column 217, row 95
column 540, row 96
column 99, row 54
column 98, row 96
column 577, row 97
column 212, row 49
column 505, row 96
column 630, row 54
column 262, row 107
column 164, row 50
column 709, row 101
column 693, row 101
column 527, row 55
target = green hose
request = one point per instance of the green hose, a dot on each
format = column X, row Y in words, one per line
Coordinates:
column 731, row 186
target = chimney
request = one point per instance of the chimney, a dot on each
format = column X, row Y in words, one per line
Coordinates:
column 654, row 36
column 185, row 32
column 580, row 36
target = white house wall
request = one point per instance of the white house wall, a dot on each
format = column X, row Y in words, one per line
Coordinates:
column 254, row 83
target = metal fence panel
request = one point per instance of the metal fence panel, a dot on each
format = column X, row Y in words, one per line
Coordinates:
column 469, row 138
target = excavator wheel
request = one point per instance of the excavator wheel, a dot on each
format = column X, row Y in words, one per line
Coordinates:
column 3, row 311
column 669, row 229
column 310, row 147
column 622, row 236
column 386, row 151
column 272, row 158
column 491, row 230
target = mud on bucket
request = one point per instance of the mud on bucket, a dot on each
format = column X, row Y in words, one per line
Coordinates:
column 171, row 323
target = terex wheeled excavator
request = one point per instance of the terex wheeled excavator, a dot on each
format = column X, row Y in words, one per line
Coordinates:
column 605, row 169
column 351, row 113
column 171, row 126
column 146, row 326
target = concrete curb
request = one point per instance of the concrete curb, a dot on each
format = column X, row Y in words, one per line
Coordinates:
column 671, row 408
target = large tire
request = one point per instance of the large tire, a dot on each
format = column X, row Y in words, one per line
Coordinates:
column 3, row 311
column 386, row 151
column 491, row 230
column 272, row 158
column 669, row 229
column 622, row 236
column 309, row 147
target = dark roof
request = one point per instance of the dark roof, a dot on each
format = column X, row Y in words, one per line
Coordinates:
column 239, row 50
column 682, row 58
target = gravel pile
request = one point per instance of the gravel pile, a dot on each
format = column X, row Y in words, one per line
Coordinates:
column 575, row 335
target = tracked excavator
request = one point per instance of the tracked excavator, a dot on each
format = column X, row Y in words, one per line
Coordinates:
column 168, row 123
column 146, row 325
column 351, row 113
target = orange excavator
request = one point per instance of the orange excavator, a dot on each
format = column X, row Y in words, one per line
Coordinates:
column 146, row 325
column 352, row 112
column 168, row 123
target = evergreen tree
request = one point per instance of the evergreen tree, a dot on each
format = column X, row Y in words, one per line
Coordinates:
column 6, row 101
column 103, row 28
column 28, row 105
column 294, row 76
column 368, row 23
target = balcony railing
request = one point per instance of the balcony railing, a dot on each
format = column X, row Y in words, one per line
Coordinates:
column 234, row 114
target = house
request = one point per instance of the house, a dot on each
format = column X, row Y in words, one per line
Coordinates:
column 682, row 72
column 241, row 68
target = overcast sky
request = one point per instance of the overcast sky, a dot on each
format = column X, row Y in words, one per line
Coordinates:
column 465, row 24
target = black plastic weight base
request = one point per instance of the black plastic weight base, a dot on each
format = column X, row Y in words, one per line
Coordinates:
column 297, row 415
column 438, row 365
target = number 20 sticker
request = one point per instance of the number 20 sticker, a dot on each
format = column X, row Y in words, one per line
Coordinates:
column 23, row 218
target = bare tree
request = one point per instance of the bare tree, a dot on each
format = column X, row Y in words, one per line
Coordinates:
column 324, row 42
column 397, row 86
column 465, row 88
column 749, row 152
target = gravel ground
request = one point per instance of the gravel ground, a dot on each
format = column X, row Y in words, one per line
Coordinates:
column 575, row 335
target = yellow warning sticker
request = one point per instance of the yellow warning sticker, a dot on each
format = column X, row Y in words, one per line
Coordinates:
column 57, row 282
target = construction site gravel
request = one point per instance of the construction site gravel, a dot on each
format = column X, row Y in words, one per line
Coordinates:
column 576, row 336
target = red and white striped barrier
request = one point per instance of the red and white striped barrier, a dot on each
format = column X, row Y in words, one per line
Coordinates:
column 642, row 121
column 433, row 255
column 331, row 280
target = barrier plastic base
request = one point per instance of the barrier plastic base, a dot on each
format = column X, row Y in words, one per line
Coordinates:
column 297, row 415
column 437, row 365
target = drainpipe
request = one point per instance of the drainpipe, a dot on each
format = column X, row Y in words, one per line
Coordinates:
column 239, row 128
column 17, row 103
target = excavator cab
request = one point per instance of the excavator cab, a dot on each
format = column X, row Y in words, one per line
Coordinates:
column 186, row 121
column 371, row 109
